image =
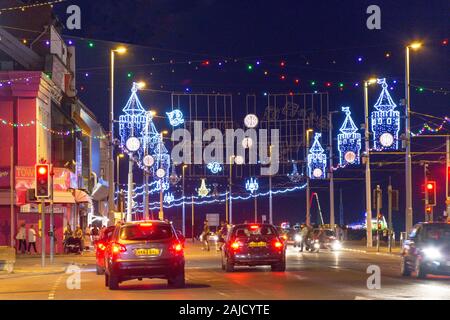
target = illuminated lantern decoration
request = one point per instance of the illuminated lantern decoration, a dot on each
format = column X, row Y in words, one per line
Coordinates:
column 252, row 185
column 175, row 118
column 317, row 160
column 385, row 121
column 203, row 191
column 349, row 141
column 214, row 167
column 132, row 122
column 168, row 198
column 295, row 176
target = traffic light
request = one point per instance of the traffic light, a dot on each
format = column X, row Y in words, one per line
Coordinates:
column 429, row 210
column 42, row 181
column 431, row 192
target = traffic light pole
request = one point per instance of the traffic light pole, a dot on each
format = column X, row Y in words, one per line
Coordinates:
column 42, row 212
column 425, row 169
column 378, row 206
column 390, row 229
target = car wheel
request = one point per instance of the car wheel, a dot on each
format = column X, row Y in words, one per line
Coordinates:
column 404, row 269
column 178, row 280
column 113, row 282
column 229, row 266
column 99, row 270
column 279, row 267
column 421, row 271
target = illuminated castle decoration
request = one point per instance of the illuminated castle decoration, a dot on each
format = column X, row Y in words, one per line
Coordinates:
column 133, row 120
column 385, row 121
column 349, row 141
column 317, row 160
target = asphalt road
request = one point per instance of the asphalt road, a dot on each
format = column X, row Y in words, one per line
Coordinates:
column 324, row 275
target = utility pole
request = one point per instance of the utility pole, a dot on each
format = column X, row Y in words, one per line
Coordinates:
column 332, row 218
column 390, row 229
column 308, row 190
column 270, row 190
column 52, row 233
column 183, row 227
column 192, row 202
column 146, row 194
column 425, row 174
column 367, row 161
column 378, row 212
column 42, row 212
column 11, row 196
column 341, row 209
column 231, row 197
column 256, row 209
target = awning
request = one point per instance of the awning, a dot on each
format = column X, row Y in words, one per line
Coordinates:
column 63, row 197
column 81, row 196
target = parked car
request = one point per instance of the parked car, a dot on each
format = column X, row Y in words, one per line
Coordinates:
column 144, row 249
column 254, row 245
column 100, row 246
column 427, row 250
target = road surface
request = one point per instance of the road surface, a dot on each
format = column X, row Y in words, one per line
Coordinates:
column 324, row 275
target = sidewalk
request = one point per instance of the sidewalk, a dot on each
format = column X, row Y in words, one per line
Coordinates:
column 361, row 247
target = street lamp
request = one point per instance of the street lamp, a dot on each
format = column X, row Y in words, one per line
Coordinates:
column 308, row 191
column 184, row 204
column 119, row 50
column 367, row 83
column 408, row 174
column 118, row 157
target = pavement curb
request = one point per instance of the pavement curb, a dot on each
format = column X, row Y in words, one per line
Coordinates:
column 393, row 254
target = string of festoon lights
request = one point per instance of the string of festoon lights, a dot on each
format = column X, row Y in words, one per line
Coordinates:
column 29, row 6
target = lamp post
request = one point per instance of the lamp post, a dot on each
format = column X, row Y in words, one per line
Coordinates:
column 332, row 217
column 184, row 204
column 308, row 190
column 408, row 173
column 118, row 157
column 367, row 161
column 119, row 50
column 161, row 207
column 230, row 211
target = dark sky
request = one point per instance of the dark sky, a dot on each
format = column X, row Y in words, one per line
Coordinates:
column 318, row 40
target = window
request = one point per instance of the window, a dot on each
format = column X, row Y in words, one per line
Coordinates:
column 152, row 233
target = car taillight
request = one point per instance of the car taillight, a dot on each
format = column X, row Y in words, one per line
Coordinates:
column 278, row 244
column 254, row 227
column 235, row 245
column 117, row 248
column 176, row 248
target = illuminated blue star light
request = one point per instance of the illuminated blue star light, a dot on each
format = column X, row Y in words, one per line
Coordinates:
column 317, row 160
column 214, row 167
column 385, row 121
column 252, row 185
column 349, row 141
column 175, row 118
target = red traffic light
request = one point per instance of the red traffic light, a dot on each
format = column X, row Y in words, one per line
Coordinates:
column 430, row 186
column 42, row 170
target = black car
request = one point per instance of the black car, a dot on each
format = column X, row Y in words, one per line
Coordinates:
column 427, row 250
column 144, row 249
column 254, row 245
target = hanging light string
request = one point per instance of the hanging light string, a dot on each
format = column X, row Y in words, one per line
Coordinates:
column 28, row 6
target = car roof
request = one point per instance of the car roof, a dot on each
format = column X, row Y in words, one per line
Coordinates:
column 133, row 223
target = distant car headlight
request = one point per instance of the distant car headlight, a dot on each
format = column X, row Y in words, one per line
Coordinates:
column 316, row 245
column 337, row 245
column 432, row 253
column 298, row 238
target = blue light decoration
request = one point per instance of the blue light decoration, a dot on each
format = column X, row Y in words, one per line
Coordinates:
column 295, row 176
column 214, row 167
column 252, row 185
column 317, row 159
column 132, row 122
column 175, row 117
column 349, row 141
column 169, row 198
column 385, row 121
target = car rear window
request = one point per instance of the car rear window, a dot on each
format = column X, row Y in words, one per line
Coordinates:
column 438, row 233
column 151, row 233
column 247, row 231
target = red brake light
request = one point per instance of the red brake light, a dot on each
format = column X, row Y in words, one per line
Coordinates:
column 254, row 227
column 278, row 244
column 117, row 247
column 176, row 248
column 147, row 224
column 235, row 245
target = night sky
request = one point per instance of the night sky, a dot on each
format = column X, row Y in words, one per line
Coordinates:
column 169, row 42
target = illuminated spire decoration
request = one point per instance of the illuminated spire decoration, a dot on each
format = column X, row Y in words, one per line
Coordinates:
column 385, row 121
column 317, row 159
column 132, row 121
column 349, row 141
column 252, row 185
column 295, row 176
column 168, row 198
column 203, row 191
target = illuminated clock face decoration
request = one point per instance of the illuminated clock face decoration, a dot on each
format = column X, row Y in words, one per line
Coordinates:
column 251, row 121
column 317, row 173
column 160, row 173
column 239, row 160
column 133, row 144
column 148, row 160
column 386, row 139
column 350, row 156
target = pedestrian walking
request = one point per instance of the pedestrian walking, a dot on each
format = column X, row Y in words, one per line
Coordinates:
column 205, row 235
column 22, row 237
column 31, row 239
column 78, row 235
column 87, row 238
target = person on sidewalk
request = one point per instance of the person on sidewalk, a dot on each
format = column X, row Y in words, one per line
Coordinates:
column 78, row 235
column 22, row 237
column 205, row 235
column 31, row 239
column 87, row 238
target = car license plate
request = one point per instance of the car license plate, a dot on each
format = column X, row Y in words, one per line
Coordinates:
column 147, row 252
column 257, row 244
